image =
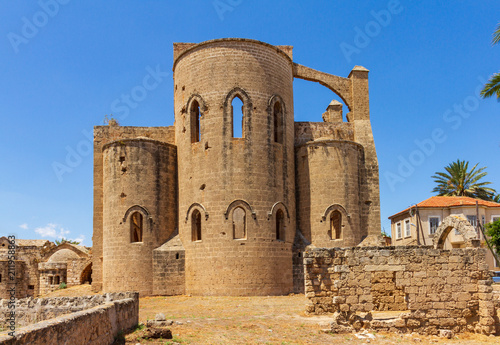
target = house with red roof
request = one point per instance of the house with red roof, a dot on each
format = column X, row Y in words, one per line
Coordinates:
column 417, row 225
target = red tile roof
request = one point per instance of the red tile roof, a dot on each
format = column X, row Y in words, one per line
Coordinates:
column 450, row 201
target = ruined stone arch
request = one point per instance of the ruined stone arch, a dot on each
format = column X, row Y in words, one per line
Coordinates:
column 454, row 222
column 198, row 206
column 64, row 246
column 228, row 113
column 342, row 87
column 86, row 275
column 239, row 203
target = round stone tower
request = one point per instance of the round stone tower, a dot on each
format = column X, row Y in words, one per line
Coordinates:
column 139, row 210
column 329, row 180
column 236, row 167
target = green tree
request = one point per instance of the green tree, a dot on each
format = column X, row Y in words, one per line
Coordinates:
column 64, row 240
column 492, row 87
column 459, row 181
column 493, row 233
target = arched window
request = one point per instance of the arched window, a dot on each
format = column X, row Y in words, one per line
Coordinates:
column 57, row 280
column 335, row 225
column 195, row 122
column 280, row 225
column 278, row 123
column 136, row 227
column 239, row 223
column 238, row 117
column 51, row 280
column 196, row 225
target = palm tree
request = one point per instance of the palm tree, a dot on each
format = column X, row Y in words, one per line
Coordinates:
column 459, row 181
column 492, row 87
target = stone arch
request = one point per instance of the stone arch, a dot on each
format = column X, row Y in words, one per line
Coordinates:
column 239, row 203
column 227, row 129
column 86, row 275
column 65, row 246
column 454, row 222
column 198, row 206
column 279, row 204
column 334, row 207
column 148, row 219
column 137, row 208
column 342, row 87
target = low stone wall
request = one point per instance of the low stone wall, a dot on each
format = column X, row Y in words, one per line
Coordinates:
column 436, row 289
column 86, row 320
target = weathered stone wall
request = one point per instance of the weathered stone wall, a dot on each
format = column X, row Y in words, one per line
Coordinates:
column 140, row 175
column 330, row 177
column 254, row 171
column 75, row 268
column 21, row 285
column 169, row 270
column 310, row 131
column 31, row 255
column 52, row 274
column 102, row 136
column 437, row 289
column 33, row 310
column 88, row 320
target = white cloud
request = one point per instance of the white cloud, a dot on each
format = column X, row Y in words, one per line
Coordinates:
column 24, row 226
column 52, row 230
column 80, row 239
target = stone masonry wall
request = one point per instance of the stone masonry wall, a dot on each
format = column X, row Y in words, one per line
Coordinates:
column 169, row 271
column 108, row 315
column 437, row 289
column 21, row 283
column 102, row 136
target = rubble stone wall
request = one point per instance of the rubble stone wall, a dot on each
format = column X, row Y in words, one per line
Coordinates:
column 98, row 325
column 435, row 289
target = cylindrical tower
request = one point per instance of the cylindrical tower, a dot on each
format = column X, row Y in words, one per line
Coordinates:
column 236, row 188
column 329, row 181
column 139, row 210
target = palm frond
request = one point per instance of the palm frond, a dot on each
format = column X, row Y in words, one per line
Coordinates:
column 492, row 87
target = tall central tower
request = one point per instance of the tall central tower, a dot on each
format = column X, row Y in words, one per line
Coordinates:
column 235, row 167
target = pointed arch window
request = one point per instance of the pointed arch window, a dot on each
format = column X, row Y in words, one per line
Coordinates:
column 280, row 225
column 195, row 122
column 335, row 225
column 136, row 227
column 196, row 225
column 239, row 223
column 278, row 122
column 238, row 117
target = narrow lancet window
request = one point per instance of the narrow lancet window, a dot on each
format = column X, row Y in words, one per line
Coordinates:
column 136, row 227
column 239, row 223
column 195, row 122
column 335, row 225
column 280, row 225
column 238, row 117
column 196, row 225
column 278, row 123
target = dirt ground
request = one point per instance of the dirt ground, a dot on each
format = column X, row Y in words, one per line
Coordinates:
column 254, row 320
column 260, row 320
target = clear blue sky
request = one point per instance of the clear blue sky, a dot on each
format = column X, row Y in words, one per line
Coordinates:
column 63, row 68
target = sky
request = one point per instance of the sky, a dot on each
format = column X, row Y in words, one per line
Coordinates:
column 66, row 64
